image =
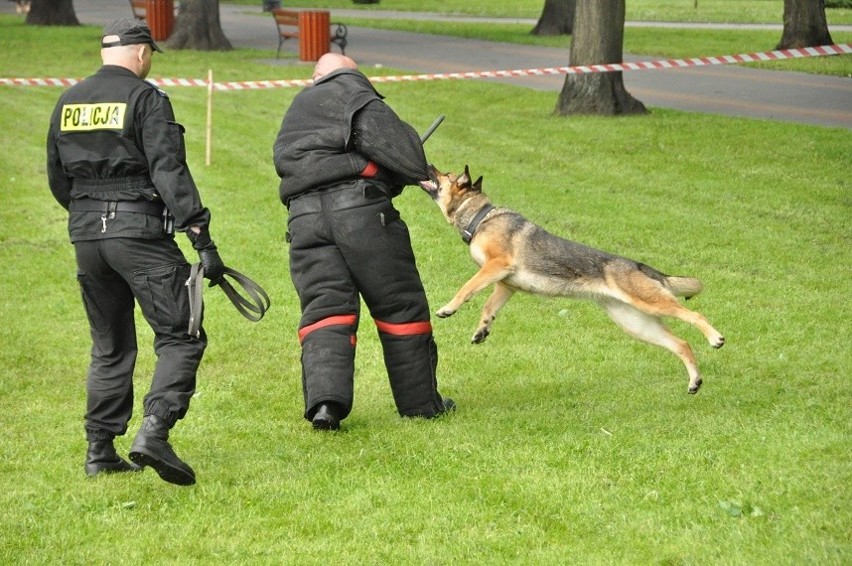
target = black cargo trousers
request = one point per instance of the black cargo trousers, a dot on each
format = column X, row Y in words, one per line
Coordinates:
column 347, row 241
column 112, row 273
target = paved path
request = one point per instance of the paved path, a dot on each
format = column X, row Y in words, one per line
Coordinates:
column 725, row 89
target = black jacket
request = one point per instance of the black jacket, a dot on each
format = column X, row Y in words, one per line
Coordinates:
column 114, row 137
column 335, row 128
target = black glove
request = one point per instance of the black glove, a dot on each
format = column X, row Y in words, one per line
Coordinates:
column 214, row 269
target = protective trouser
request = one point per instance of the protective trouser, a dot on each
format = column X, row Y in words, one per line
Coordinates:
column 112, row 272
column 345, row 241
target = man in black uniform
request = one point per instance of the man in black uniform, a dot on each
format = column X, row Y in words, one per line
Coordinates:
column 116, row 161
column 342, row 155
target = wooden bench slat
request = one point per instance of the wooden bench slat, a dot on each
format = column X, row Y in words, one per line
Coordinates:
column 140, row 9
column 285, row 19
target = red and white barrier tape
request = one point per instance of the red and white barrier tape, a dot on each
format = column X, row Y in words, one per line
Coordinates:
column 778, row 55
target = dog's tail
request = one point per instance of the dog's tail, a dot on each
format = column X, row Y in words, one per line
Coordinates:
column 686, row 287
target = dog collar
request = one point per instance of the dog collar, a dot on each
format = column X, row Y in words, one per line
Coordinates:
column 467, row 233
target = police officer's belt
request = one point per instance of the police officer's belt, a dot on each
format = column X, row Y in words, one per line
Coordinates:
column 107, row 206
column 253, row 307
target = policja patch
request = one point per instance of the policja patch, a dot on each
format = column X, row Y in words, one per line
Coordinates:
column 94, row 116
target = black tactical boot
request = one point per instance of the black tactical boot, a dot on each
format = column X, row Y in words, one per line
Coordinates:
column 101, row 457
column 151, row 448
column 327, row 417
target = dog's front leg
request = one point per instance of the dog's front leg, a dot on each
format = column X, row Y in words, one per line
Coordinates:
column 492, row 271
column 495, row 302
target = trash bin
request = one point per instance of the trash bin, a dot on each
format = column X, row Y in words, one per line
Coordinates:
column 314, row 41
column 160, row 15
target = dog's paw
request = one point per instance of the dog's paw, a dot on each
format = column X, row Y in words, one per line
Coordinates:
column 694, row 387
column 480, row 336
column 445, row 311
column 718, row 341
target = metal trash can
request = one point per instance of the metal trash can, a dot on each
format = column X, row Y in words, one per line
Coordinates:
column 314, row 40
column 160, row 16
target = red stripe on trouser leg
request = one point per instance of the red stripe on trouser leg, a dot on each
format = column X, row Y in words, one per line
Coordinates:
column 405, row 328
column 339, row 320
column 328, row 365
column 411, row 358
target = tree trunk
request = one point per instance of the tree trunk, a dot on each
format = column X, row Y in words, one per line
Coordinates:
column 52, row 13
column 804, row 24
column 598, row 39
column 557, row 18
column 198, row 27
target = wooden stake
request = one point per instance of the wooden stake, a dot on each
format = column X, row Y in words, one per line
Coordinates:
column 209, row 116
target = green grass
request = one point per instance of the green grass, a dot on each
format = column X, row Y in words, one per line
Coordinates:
column 572, row 443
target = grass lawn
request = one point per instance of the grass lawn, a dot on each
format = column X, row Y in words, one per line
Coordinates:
column 572, row 443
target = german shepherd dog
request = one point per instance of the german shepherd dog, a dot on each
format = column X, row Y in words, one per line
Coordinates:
column 515, row 254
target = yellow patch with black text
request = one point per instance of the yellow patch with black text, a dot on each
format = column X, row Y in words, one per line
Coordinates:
column 89, row 117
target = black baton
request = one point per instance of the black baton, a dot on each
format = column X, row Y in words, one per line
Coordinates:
column 432, row 128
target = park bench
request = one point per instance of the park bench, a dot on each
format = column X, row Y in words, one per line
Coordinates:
column 140, row 9
column 287, row 22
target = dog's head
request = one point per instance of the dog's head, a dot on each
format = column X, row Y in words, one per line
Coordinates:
column 449, row 191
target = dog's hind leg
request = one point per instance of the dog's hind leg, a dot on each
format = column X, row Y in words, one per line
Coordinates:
column 673, row 309
column 652, row 298
column 492, row 306
column 651, row 329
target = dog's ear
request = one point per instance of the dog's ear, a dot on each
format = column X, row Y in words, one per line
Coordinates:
column 477, row 185
column 464, row 179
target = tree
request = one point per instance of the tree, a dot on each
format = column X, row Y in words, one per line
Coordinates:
column 804, row 24
column 198, row 27
column 557, row 18
column 598, row 39
column 52, row 13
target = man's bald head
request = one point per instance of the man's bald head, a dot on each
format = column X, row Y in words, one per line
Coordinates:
column 331, row 62
column 136, row 58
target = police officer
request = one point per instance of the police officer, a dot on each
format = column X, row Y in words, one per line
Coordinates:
column 342, row 155
column 116, row 161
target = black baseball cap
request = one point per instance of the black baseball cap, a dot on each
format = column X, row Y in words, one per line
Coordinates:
column 128, row 32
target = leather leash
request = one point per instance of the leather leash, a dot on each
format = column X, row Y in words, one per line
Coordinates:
column 252, row 307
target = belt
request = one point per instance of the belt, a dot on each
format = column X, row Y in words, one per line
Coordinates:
column 132, row 182
column 338, row 197
column 106, row 206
